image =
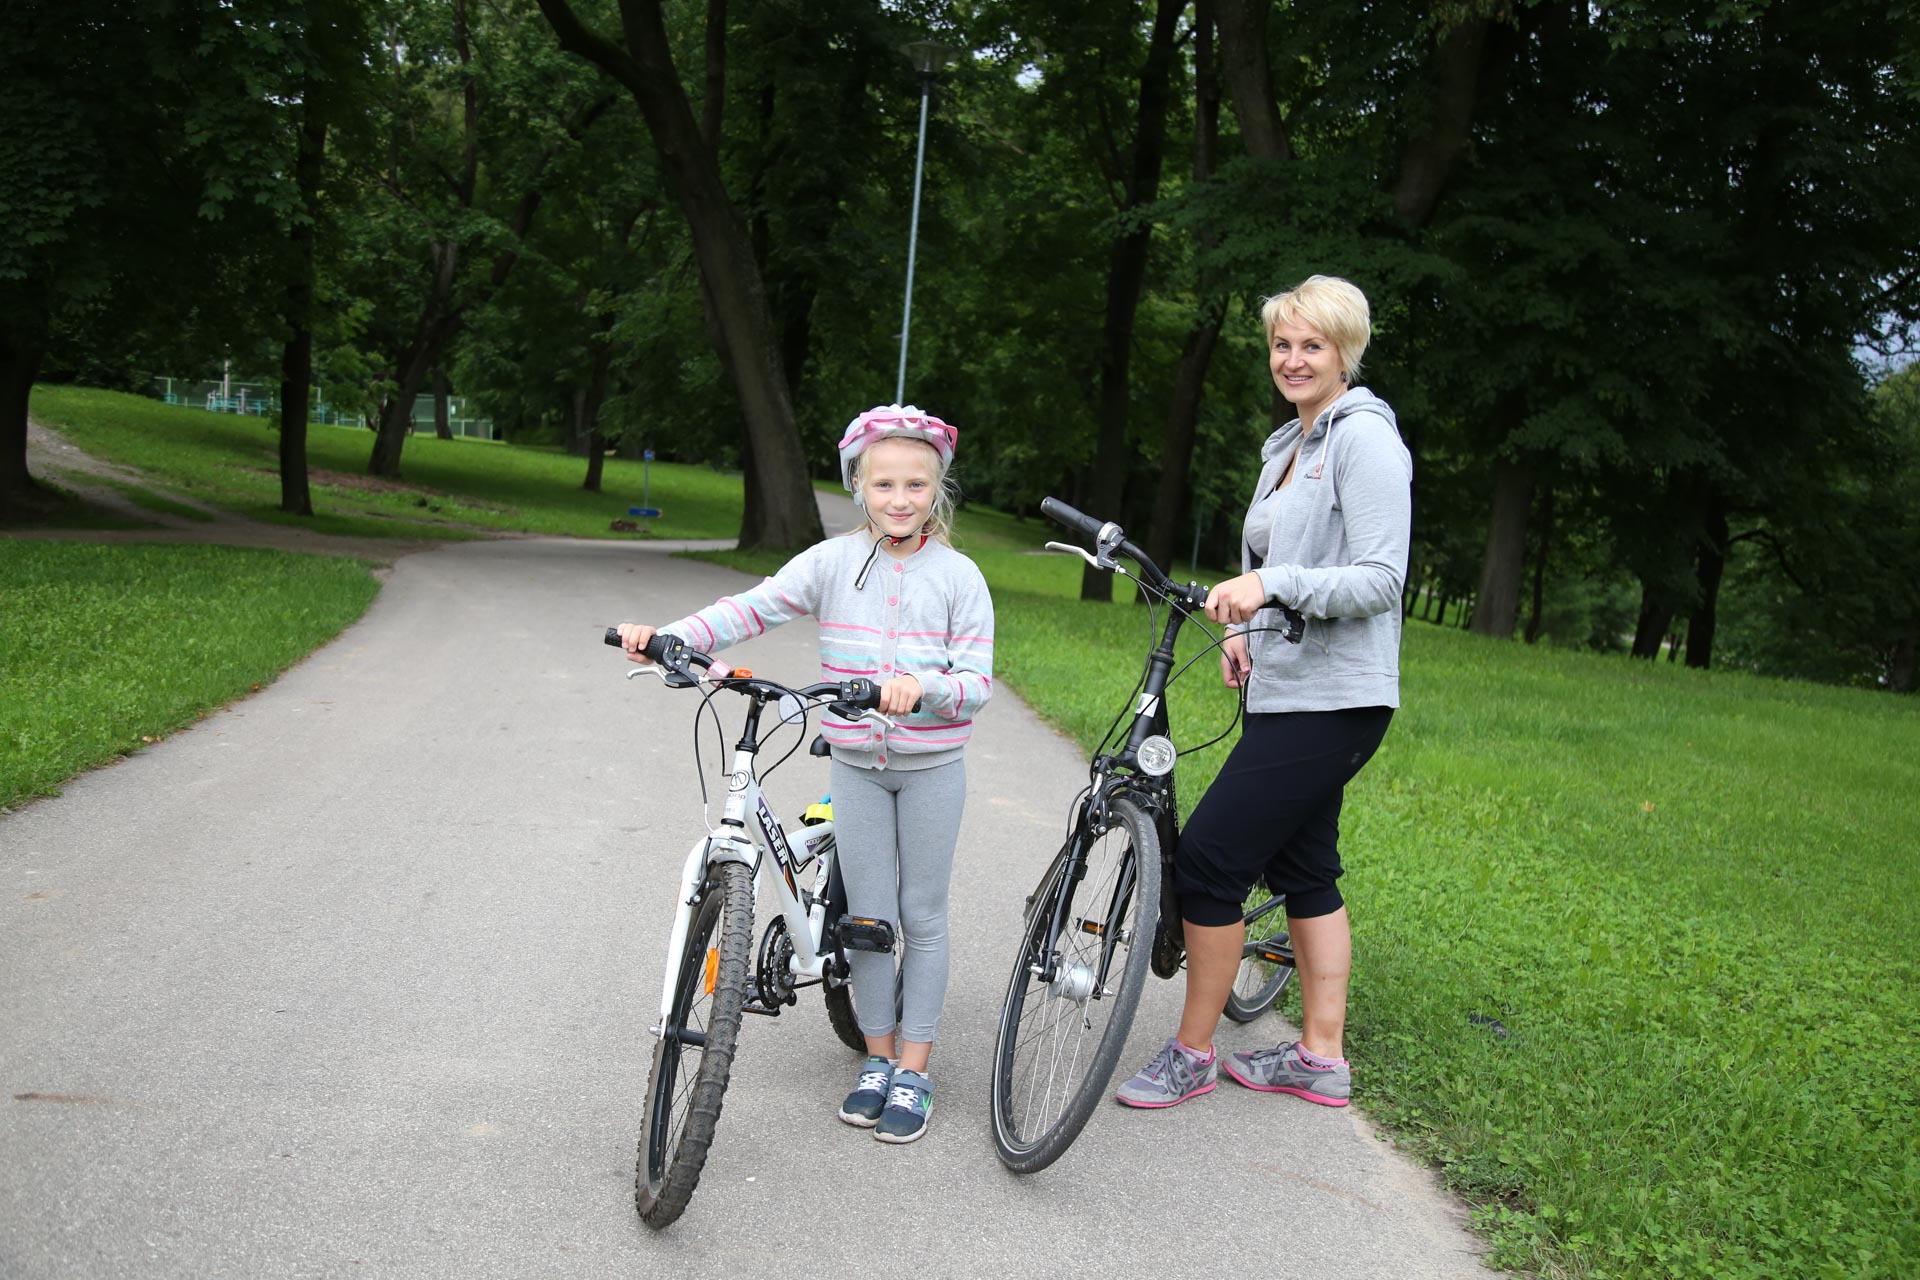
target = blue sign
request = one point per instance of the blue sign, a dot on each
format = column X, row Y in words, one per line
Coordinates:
column 647, row 454
column 645, row 513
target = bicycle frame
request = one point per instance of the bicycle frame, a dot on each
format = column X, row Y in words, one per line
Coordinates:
column 1120, row 773
column 1155, row 794
column 777, row 855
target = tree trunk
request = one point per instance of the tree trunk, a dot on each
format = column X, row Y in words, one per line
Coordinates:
column 442, row 428
column 1430, row 158
column 1171, row 494
column 1126, row 273
column 19, row 361
column 1540, row 564
column 1900, row 668
column 1710, row 565
column 1248, row 71
column 296, row 357
column 1170, row 499
column 785, row 514
column 1652, row 624
column 1497, row 603
column 410, row 373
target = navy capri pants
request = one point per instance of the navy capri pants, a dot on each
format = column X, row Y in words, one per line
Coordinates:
column 1273, row 814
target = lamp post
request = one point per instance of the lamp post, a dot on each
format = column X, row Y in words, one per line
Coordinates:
column 929, row 58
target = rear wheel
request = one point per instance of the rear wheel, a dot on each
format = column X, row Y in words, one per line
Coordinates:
column 1070, row 1001
column 694, row 1054
column 840, row 1016
column 1265, row 961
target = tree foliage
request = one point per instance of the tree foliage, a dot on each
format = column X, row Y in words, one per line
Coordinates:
column 1626, row 260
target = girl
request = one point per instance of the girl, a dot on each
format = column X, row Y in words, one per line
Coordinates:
column 897, row 604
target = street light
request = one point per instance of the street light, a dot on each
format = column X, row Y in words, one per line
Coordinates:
column 929, row 58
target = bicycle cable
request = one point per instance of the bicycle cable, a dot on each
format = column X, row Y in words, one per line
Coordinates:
column 1240, row 703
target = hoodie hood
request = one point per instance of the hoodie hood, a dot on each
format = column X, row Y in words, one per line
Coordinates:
column 1354, row 400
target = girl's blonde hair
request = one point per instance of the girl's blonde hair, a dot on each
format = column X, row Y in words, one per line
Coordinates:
column 1335, row 307
column 945, row 495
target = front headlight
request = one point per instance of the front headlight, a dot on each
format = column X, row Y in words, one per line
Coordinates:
column 1155, row 757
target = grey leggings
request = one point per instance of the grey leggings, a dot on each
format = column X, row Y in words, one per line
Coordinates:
column 897, row 830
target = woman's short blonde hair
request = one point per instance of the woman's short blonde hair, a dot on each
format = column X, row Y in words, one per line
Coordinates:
column 1334, row 306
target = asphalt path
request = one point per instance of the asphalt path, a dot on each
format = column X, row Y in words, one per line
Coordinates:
column 353, row 978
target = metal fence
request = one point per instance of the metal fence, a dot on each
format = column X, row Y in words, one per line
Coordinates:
column 262, row 400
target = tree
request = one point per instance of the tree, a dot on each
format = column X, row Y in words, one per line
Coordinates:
column 104, row 189
column 780, row 510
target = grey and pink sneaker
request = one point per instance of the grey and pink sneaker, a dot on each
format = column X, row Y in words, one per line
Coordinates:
column 1170, row 1079
column 1282, row 1070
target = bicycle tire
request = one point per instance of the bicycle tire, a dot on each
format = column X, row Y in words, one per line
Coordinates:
column 1052, row 1058
column 682, row 1104
column 841, row 1017
column 1258, row 983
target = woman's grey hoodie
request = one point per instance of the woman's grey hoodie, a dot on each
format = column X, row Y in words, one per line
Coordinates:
column 1338, row 554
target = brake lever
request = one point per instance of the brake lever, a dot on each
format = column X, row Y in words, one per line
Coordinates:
column 672, row 679
column 846, row 712
column 1102, row 561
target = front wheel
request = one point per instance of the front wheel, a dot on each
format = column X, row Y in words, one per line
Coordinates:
column 694, row 1055
column 1071, row 998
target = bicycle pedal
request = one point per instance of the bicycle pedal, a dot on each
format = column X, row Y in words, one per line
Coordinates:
column 863, row 933
column 1274, row 954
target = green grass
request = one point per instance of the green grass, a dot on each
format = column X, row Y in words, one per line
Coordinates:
column 106, row 648
column 1688, row 898
column 450, row 488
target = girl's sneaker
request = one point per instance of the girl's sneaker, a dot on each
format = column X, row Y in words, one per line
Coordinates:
column 869, row 1097
column 1281, row 1070
column 1171, row 1078
column 909, row 1102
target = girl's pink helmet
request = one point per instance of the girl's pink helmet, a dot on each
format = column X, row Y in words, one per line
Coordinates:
column 887, row 420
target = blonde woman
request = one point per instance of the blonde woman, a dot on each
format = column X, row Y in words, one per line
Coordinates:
column 1326, row 533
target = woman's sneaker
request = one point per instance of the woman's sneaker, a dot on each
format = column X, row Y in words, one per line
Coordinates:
column 1171, row 1078
column 1281, row 1070
column 869, row 1097
column 909, row 1103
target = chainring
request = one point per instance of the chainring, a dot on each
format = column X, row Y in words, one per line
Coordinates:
column 773, row 977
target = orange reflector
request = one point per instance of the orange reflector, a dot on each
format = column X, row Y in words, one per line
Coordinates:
column 740, row 673
column 1093, row 927
column 713, row 966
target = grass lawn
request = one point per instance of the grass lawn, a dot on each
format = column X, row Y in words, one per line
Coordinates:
column 1686, row 899
column 104, row 648
column 450, row 488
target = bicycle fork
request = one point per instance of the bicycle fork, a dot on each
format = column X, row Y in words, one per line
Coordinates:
column 1071, row 980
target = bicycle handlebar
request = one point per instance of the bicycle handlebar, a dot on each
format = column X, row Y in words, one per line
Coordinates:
column 1060, row 512
column 1115, row 539
column 856, row 695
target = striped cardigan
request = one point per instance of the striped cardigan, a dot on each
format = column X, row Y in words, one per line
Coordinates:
column 928, row 616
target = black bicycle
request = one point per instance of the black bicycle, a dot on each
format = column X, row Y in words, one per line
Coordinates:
column 1081, row 965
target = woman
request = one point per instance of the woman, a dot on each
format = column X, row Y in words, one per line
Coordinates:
column 1327, row 534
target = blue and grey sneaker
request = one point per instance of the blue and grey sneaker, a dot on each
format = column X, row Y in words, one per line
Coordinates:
column 1170, row 1079
column 869, row 1097
column 909, row 1103
column 1281, row 1070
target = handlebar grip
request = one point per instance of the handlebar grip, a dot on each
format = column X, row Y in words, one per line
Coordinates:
column 657, row 648
column 863, row 695
column 1056, row 510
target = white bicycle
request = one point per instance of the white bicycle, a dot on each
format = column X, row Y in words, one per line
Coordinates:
column 713, row 975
